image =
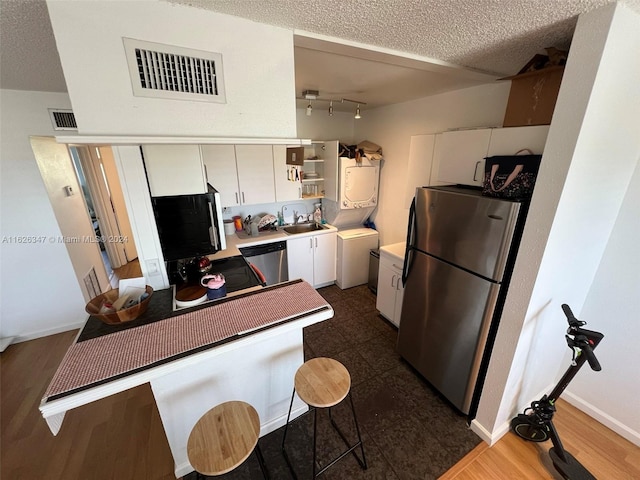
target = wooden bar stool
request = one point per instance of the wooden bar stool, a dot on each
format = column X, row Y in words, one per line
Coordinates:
column 324, row 383
column 223, row 438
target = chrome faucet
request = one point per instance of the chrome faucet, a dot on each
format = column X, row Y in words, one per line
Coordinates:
column 296, row 217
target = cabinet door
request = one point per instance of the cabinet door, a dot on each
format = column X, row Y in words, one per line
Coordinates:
column 397, row 310
column 220, row 166
column 507, row 141
column 300, row 258
column 255, row 174
column 324, row 261
column 386, row 296
column 174, row 170
column 460, row 156
column 286, row 188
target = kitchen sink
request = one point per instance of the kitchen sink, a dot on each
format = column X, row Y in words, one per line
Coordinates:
column 303, row 228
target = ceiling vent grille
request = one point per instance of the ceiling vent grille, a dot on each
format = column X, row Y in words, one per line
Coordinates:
column 63, row 119
column 166, row 71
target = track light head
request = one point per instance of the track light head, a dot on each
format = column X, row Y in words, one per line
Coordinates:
column 357, row 116
column 309, row 109
column 331, row 108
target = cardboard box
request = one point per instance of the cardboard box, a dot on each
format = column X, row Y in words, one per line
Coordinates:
column 532, row 97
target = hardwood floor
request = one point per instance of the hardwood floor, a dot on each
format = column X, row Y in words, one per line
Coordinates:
column 130, row 270
column 604, row 453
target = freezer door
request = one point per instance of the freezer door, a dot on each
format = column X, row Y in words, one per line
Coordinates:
column 465, row 229
column 446, row 314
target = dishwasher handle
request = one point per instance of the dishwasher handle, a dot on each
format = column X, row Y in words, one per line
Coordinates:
column 262, row 249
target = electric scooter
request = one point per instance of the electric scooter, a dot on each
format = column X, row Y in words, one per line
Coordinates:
column 536, row 425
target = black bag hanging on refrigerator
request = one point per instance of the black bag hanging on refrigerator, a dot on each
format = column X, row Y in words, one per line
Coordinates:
column 511, row 176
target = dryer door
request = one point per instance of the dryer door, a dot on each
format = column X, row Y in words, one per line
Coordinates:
column 360, row 184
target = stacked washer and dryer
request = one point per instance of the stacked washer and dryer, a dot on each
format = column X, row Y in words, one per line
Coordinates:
column 351, row 195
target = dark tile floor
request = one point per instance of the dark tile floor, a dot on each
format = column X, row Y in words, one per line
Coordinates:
column 408, row 430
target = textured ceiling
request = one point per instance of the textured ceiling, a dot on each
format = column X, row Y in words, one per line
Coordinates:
column 493, row 36
column 497, row 36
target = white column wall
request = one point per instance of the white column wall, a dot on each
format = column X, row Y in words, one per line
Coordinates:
column 589, row 159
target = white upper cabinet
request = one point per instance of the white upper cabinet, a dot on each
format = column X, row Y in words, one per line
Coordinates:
column 220, row 165
column 255, row 174
column 243, row 174
column 287, row 188
column 508, row 141
column 174, row 170
column 459, row 155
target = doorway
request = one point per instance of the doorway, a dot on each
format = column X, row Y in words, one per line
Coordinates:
column 100, row 185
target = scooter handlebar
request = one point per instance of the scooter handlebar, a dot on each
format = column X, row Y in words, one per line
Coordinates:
column 582, row 338
column 591, row 358
column 570, row 316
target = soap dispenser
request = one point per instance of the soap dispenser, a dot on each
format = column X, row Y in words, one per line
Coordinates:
column 317, row 214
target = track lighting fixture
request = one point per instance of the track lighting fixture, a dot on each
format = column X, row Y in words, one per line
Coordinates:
column 314, row 95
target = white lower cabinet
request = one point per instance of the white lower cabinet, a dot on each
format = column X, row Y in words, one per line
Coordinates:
column 390, row 289
column 313, row 258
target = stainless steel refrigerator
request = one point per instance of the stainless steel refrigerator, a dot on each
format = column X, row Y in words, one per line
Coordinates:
column 460, row 249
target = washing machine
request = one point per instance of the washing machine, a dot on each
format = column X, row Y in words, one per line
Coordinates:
column 354, row 246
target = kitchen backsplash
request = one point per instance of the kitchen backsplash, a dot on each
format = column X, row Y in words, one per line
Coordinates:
column 265, row 208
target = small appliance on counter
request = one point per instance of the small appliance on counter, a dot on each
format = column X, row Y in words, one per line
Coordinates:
column 188, row 282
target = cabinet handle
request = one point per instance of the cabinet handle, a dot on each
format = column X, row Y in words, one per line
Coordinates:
column 237, row 198
column 316, row 242
column 243, row 200
column 311, row 243
column 398, row 284
column 392, row 285
column 475, row 171
column 398, row 267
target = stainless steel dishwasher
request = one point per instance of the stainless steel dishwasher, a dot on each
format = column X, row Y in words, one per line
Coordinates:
column 270, row 259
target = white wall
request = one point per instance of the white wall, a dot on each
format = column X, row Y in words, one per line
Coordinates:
column 320, row 126
column 260, row 93
column 391, row 127
column 39, row 291
column 57, row 171
column 612, row 305
column 592, row 150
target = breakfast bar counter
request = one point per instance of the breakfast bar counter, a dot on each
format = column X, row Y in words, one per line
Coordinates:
column 245, row 348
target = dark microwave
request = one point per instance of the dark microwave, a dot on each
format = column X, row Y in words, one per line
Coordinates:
column 189, row 225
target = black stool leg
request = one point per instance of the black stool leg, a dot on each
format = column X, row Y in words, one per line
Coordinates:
column 315, row 429
column 350, row 448
column 284, row 437
column 265, row 474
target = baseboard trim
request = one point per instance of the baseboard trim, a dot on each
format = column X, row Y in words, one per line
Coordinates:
column 49, row 331
column 489, row 437
column 605, row 419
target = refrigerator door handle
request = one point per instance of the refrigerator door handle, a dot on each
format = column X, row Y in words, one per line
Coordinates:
column 410, row 236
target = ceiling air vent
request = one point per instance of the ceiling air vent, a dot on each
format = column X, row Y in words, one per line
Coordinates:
column 63, row 119
column 167, row 71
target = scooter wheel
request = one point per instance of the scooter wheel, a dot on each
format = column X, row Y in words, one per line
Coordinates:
column 526, row 428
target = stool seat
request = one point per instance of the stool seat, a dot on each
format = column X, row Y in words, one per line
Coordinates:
column 322, row 382
column 223, row 438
